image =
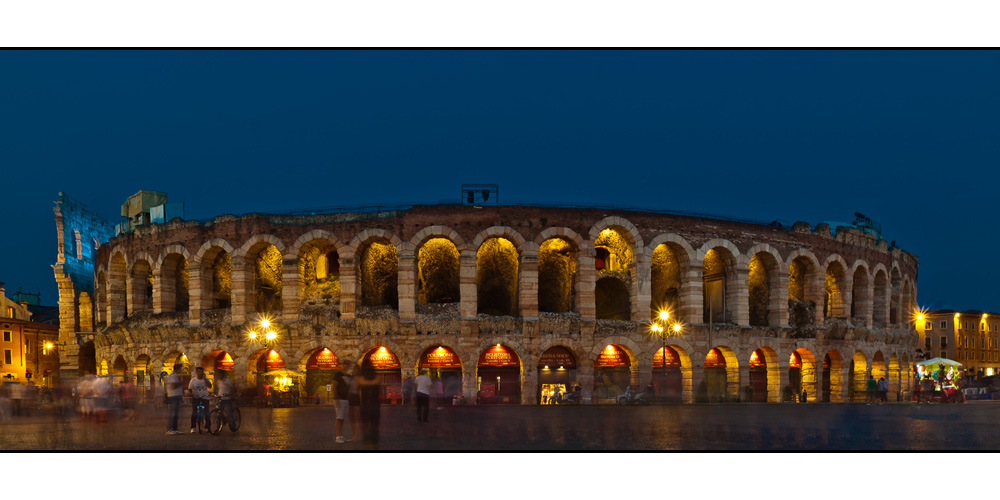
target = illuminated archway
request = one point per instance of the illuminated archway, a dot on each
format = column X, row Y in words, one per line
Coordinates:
column 802, row 375
column 320, row 366
column 386, row 364
column 498, row 376
column 556, row 371
column 718, row 270
column 836, row 289
column 438, row 272
column 722, row 376
column 497, row 277
column 556, row 275
column 667, row 376
column 174, row 284
column 763, row 287
column 612, row 373
column 218, row 361
column 118, row 370
column 612, row 299
column 444, row 367
column 858, row 378
column 665, row 278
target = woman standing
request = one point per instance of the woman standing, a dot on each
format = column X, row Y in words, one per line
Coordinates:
column 369, row 384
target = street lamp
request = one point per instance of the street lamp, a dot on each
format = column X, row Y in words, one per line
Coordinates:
column 658, row 329
column 266, row 338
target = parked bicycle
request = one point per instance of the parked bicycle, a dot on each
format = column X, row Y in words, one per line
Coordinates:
column 219, row 417
column 200, row 417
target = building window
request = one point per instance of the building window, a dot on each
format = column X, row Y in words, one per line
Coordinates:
column 26, row 348
column 10, row 312
column 6, row 336
column 944, row 324
column 966, row 325
column 944, row 342
column 7, row 357
column 927, row 344
column 927, row 325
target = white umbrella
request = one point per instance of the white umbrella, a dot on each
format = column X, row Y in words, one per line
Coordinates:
column 939, row 361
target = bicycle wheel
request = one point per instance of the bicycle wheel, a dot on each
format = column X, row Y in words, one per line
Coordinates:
column 235, row 424
column 201, row 420
column 216, row 417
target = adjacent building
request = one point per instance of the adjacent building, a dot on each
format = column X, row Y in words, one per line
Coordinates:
column 969, row 337
column 28, row 349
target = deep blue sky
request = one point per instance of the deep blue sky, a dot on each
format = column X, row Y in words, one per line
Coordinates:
column 908, row 138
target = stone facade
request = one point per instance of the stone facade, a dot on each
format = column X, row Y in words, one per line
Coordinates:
column 970, row 337
column 859, row 291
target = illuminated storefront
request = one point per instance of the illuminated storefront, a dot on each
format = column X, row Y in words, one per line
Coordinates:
column 320, row 367
column 612, row 373
column 795, row 373
column 671, row 371
column 386, row 364
column 716, row 379
column 443, row 365
column 499, row 376
column 218, row 361
column 556, row 372
column 758, row 376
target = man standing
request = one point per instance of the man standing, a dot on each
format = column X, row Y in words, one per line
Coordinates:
column 341, row 391
column 226, row 389
column 199, row 387
column 174, row 393
column 423, row 388
column 870, row 390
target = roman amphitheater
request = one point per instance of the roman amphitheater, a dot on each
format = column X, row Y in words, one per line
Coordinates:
column 503, row 303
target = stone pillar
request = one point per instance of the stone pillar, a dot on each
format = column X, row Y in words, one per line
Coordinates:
column 468, row 305
column 817, row 388
column 529, row 384
column 867, row 304
column 842, row 309
column 586, row 374
column 116, row 300
column 845, row 378
column 348, row 287
column 738, row 298
column 469, row 380
column 783, row 380
column 160, row 290
column 744, row 378
column 777, row 313
column 291, row 285
column 586, row 282
column 815, row 292
column 691, row 296
column 528, row 283
column 242, row 291
column 406, row 279
column 697, row 377
column 642, row 287
column 199, row 299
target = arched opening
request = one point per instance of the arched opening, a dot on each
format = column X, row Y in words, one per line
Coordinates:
column 118, row 371
column 801, row 299
column 86, row 313
column 498, row 376
column 142, row 287
column 319, row 273
column 718, row 293
column 859, row 378
column 496, row 277
column 668, row 381
column 833, row 368
column 267, row 387
column 216, row 362
column 894, row 300
column 758, row 376
column 438, row 272
column 556, row 373
column 861, row 300
column 763, row 279
column 87, row 359
column 665, row 280
column 101, row 293
column 321, row 365
column 612, row 299
column 386, row 364
column 174, row 290
column 612, row 373
column 894, row 376
column 833, row 299
column 556, row 276
column 880, row 302
column 117, row 302
column 217, row 278
column 614, row 251
column 444, row 367
column 802, row 374
column 144, row 375
column 878, row 366
column 722, row 377
column 185, row 373
column 267, row 271
column 379, row 277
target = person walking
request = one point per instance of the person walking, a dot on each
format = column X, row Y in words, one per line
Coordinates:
column 883, row 390
column 199, row 387
column 102, row 393
column 354, row 402
column 423, row 389
column 225, row 388
column 369, row 385
column 128, row 395
column 341, row 392
column 174, row 393
column 870, row 389
column 407, row 390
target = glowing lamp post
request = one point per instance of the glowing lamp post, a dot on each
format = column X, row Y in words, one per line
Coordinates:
column 267, row 338
column 658, row 329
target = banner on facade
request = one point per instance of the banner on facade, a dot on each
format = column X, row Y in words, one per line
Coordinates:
column 323, row 359
column 557, row 356
column 440, row 357
column 383, row 359
column 795, row 361
column 224, row 362
column 715, row 359
column 612, row 356
column 498, row 356
column 274, row 361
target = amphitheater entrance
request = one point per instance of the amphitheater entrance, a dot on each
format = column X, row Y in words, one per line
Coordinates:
column 612, row 373
column 266, row 384
column 832, row 377
column 498, row 376
column 321, row 365
column 556, row 373
column 718, row 372
column 858, row 378
column 386, row 364
column 668, row 381
column 180, row 358
column 444, row 366
column 758, row 376
column 119, row 370
column 802, row 374
column 218, row 361
column 143, row 367
column 87, row 359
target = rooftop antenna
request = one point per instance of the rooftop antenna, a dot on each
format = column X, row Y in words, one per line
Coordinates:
column 480, row 194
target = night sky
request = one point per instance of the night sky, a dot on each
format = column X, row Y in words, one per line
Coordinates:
column 908, row 138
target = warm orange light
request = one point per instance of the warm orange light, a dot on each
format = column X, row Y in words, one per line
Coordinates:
column 264, row 323
column 920, row 317
column 381, row 349
column 664, row 314
column 252, row 335
column 271, row 335
column 48, row 345
column 677, row 327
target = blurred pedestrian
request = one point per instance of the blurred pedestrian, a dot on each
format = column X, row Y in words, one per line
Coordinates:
column 369, row 384
column 407, row 390
column 174, row 392
column 354, row 402
column 84, row 394
column 870, row 389
column 5, row 404
column 883, row 390
column 423, row 389
column 18, row 395
column 226, row 390
column 102, row 392
column 127, row 393
column 341, row 391
column 199, row 387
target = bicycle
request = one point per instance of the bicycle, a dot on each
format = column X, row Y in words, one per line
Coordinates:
column 218, row 417
column 200, row 412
